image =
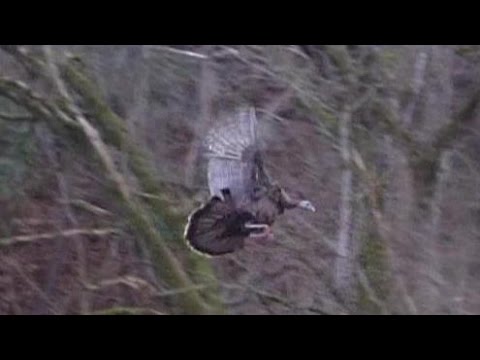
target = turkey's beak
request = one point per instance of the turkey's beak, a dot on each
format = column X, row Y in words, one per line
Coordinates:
column 307, row 205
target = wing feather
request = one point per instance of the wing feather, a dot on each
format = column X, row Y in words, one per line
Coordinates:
column 231, row 147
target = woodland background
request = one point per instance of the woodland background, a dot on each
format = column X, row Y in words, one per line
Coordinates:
column 100, row 165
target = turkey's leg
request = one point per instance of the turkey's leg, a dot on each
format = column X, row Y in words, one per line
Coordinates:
column 267, row 231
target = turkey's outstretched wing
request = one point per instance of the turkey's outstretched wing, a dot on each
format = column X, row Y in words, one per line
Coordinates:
column 232, row 150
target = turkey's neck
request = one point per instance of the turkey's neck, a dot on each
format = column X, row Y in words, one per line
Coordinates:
column 290, row 204
column 286, row 202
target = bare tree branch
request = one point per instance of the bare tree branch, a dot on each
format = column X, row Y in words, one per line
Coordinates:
column 31, row 64
column 344, row 263
column 179, row 52
column 122, row 310
column 85, row 205
column 21, row 239
column 22, row 95
column 15, row 117
column 417, row 85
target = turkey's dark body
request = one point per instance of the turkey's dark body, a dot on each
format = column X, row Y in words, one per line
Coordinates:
column 217, row 228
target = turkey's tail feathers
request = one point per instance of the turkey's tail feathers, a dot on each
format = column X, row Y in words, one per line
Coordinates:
column 216, row 228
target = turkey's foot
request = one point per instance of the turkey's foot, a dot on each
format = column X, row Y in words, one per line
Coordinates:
column 266, row 233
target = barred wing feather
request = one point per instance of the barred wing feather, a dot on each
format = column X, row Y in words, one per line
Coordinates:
column 231, row 149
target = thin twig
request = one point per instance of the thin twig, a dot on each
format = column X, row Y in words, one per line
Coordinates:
column 15, row 117
column 21, row 239
column 85, row 205
column 122, row 310
column 179, row 52
column 184, row 290
column 22, row 95
column 129, row 281
column 30, row 63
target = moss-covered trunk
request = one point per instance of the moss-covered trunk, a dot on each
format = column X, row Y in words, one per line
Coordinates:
column 171, row 223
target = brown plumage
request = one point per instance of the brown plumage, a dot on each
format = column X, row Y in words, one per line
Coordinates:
column 217, row 227
column 244, row 201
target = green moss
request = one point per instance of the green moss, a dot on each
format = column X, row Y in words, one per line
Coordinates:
column 340, row 57
column 120, row 310
column 373, row 260
column 389, row 58
column 18, row 155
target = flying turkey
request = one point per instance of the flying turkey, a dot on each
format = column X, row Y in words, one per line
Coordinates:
column 244, row 201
